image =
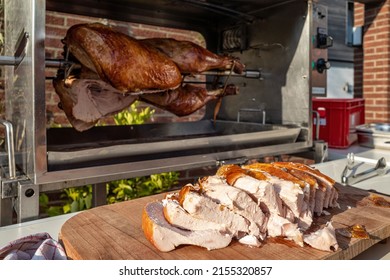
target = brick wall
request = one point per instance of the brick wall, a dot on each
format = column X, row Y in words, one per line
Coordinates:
column 373, row 75
column 56, row 26
column 358, row 54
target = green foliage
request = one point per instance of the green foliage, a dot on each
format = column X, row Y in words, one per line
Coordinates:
column 73, row 200
column 79, row 198
column 133, row 115
column 123, row 190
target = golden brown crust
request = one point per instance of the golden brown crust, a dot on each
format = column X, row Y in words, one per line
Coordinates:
column 257, row 175
column 304, row 176
column 183, row 192
column 226, row 168
column 118, row 58
column 306, row 168
column 192, row 58
column 275, row 171
column 148, row 226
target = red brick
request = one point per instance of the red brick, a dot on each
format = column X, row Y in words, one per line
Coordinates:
column 381, row 103
column 385, row 75
column 72, row 20
column 385, row 89
column 375, row 108
column 55, row 32
column 373, row 82
column 53, row 18
column 54, row 43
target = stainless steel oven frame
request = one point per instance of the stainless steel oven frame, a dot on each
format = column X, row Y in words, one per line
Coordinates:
column 273, row 113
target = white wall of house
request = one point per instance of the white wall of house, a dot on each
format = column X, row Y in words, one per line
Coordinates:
column 340, row 80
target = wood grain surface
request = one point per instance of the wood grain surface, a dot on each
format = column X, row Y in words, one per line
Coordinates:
column 113, row 232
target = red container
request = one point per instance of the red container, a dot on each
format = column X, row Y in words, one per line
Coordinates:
column 338, row 120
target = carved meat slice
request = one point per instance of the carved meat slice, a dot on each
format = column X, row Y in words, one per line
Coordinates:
column 122, row 61
column 255, row 184
column 178, row 216
column 331, row 193
column 287, row 186
column 192, row 58
column 313, row 186
column 166, row 237
column 85, row 101
column 205, row 208
column 238, row 201
column 267, row 198
column 323, row 239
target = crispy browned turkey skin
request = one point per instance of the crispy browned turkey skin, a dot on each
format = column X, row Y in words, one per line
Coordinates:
column 186, row 99
column 117, row 69
column 121, row 60
column 192, row 58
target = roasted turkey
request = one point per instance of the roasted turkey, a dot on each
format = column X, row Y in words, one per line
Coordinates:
column 117, row 69
column 86, row 101
column 186, row 99
column 122, row 61
column 192, row 58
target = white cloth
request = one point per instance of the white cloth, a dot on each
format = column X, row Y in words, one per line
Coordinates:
column 39, row 246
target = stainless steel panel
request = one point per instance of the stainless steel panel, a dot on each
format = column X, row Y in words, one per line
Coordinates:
column 279, row 45
column 106, row 173
column 104, row 144
column 374, row 135
column 24, row 85
column 279, row 34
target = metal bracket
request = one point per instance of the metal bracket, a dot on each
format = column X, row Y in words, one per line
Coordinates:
column 320, row 151
column 27, row 201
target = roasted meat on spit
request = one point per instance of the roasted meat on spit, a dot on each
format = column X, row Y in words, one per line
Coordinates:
column 186, row 99
column 192, row 58
column 86, row 101
column 121, row 60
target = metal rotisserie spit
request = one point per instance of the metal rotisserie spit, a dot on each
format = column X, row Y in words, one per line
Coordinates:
column 283, row 45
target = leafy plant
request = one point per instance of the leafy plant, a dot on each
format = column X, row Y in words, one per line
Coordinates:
column 133, row 115
column 73, row 200
column 123, row 190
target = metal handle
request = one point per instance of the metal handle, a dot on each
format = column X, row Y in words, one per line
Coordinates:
column 9, row 139
column 318, row 117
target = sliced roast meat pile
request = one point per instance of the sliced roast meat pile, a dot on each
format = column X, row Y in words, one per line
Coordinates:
column 151, row 70
column 248, row 203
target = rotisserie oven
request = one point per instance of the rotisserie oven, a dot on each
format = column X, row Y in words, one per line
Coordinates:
column 280, row 59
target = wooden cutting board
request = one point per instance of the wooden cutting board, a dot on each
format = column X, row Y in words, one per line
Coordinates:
column 114, row 232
